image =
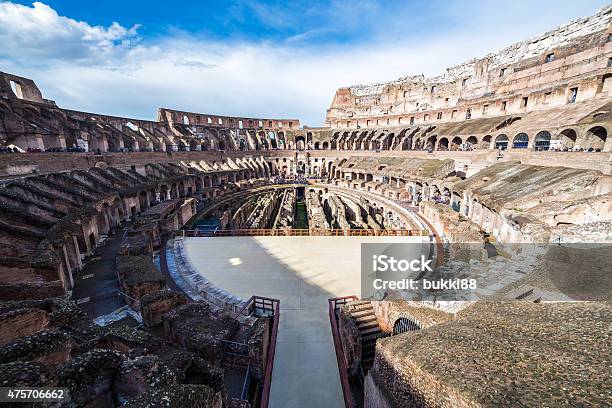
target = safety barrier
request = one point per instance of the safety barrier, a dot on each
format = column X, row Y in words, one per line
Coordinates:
column 334, row 304
column 312, row 232
column 263, row 306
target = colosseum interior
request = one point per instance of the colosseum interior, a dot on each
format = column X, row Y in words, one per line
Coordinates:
column 216, row 261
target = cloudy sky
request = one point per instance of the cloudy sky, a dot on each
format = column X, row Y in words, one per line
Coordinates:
column 251, row 58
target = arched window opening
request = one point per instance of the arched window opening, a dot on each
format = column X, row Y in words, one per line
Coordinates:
column 404, row 325
column 520, row 141
column 501, row 142
column 542, row 140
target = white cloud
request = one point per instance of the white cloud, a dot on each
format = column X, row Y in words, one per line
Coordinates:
column 103, row 70
column 27, row 33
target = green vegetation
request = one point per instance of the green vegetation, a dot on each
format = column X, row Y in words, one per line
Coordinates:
column 301, row 218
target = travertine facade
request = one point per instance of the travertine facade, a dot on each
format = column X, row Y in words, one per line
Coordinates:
column 546, row 70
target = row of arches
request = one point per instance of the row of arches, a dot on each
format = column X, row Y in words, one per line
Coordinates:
column 413, row 192
column 592, row 139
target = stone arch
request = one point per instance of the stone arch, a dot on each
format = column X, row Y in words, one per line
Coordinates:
column 199, row 183
column 143, row 200
column 113, row 143
column 542, row 140
column 472, row 141
column 443, row 144
column 118, row 205
column 104, row 219
column 300, row 143
column 273, row 141
column 520, row 141
column 163, row 195
column 596, row 138
column 456, row 143
column 431, row 142
column 181, row 188
column 325, row 145
column 568, row 137
column 486, row 142
column 334, row 141
column 281, row 140
column 501, row 142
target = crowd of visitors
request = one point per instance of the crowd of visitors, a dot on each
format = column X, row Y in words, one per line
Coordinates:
column 299, row 179
column 12, row 149
column 67, row 149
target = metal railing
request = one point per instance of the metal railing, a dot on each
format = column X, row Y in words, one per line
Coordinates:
column 244, row 395
column 334, row 304
column 312, row 232
column 268, row 307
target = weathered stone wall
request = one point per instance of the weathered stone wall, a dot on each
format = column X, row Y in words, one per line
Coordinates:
column 350, row 340
column 138, row 277
column 21, row 323
column 52, row 343
column 579, row 55
column 423, row 314
column 452, row 226
column 154, row 305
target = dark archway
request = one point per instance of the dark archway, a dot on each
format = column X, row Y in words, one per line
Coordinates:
column 142, row 199
column 300, row 143
column 542, row 140
column 404, row 325
column 456, row 143
column 596, row 138
column 501, row 142
column 443, row 144
column 431, row 142
column 520, row 141
column 486, row 142
column 472, row 141
column 568, row 137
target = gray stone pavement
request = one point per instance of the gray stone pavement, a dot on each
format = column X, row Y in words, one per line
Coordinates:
column 95, row 286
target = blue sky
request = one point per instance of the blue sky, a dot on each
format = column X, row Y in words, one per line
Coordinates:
column 251, row 58
column 312, row 22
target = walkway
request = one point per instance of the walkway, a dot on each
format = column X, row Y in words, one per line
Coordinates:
column 95, row 286
column 303, row 272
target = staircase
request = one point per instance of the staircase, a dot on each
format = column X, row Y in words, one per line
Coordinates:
column 363, row 315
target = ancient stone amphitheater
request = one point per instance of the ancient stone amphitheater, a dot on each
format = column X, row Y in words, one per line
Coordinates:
column 213, row 261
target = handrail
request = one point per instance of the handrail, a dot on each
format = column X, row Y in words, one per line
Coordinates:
column 273, row 305
column 265, row 395
column 342, row 369
column 317, row 232
column 246, row 304
column 246, row 383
